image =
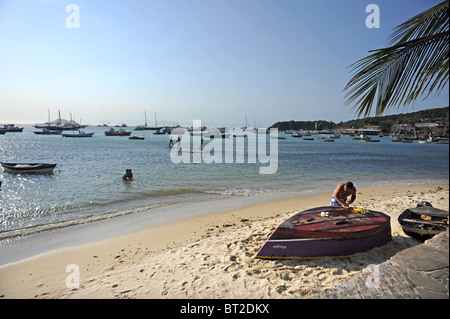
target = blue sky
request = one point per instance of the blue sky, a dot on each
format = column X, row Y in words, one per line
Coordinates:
column 218, row 61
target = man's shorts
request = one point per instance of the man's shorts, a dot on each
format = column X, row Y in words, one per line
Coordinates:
column 335, row 203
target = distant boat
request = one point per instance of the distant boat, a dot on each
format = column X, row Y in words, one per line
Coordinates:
column 441, row 140
column 146, row 127
column 407, row 140
column 361, row 137
column 61, row 124
column 48, row 132
column 397, row 139
column 164, row 130
column 120, row 132
column 306, row 138
column 296, row 135
column 136, row 137
column 152, row 128
column 11, row 128
column 335, row 136
column 79, row 134
column 369, row 141
column 323, row 139
column 28, row 167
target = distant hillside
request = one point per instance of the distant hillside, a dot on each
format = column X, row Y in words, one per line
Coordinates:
column 437, row 115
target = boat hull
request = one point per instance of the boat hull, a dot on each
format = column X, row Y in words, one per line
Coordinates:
column 322, row 248
column 78, row 135
column 424, row 222
column 116, row 133
column 309, row 235
column 28, row 168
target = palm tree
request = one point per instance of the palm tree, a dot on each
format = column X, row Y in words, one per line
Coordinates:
column 415, row 63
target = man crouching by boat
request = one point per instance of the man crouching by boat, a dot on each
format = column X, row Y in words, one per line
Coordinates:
column 128, row 176
column 341, row 193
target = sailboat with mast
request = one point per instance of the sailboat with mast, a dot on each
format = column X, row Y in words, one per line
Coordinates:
column 146, row 127
column 152, row 128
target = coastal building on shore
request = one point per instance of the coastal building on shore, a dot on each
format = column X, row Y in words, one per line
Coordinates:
column 366, row 130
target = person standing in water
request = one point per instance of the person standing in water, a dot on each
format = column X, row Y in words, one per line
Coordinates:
column 128, row 176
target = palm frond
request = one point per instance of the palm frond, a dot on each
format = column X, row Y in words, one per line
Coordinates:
column 414, row 65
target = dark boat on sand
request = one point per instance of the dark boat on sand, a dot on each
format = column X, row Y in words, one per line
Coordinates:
column 327, row 232
column 424, row 222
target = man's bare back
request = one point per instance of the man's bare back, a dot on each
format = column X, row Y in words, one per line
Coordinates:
column 341, row 193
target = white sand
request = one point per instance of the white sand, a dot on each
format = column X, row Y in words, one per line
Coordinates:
column 211, row 256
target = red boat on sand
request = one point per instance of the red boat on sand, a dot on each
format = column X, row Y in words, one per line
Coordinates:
column 327, row 232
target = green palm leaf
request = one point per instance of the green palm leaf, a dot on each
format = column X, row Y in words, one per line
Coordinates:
column 415, row 64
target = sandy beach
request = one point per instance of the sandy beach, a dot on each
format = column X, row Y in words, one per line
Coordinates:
column 210, row 256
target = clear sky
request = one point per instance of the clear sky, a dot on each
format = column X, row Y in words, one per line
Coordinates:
column 218, row 61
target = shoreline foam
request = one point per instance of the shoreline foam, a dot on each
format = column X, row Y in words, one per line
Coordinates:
column 210, row 256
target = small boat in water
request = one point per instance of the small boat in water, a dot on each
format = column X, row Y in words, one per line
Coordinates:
column 442, row 140
column 41, row 168
column 361, row 137
column 324, row 139
column 424, row 222
column 136, row 137
column 369, row 141
column 120, row 132
column 327, row 232
column 11, row 128
column 46, row 131
column 79, row 134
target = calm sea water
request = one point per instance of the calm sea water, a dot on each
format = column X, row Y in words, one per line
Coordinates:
column 86, row 184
